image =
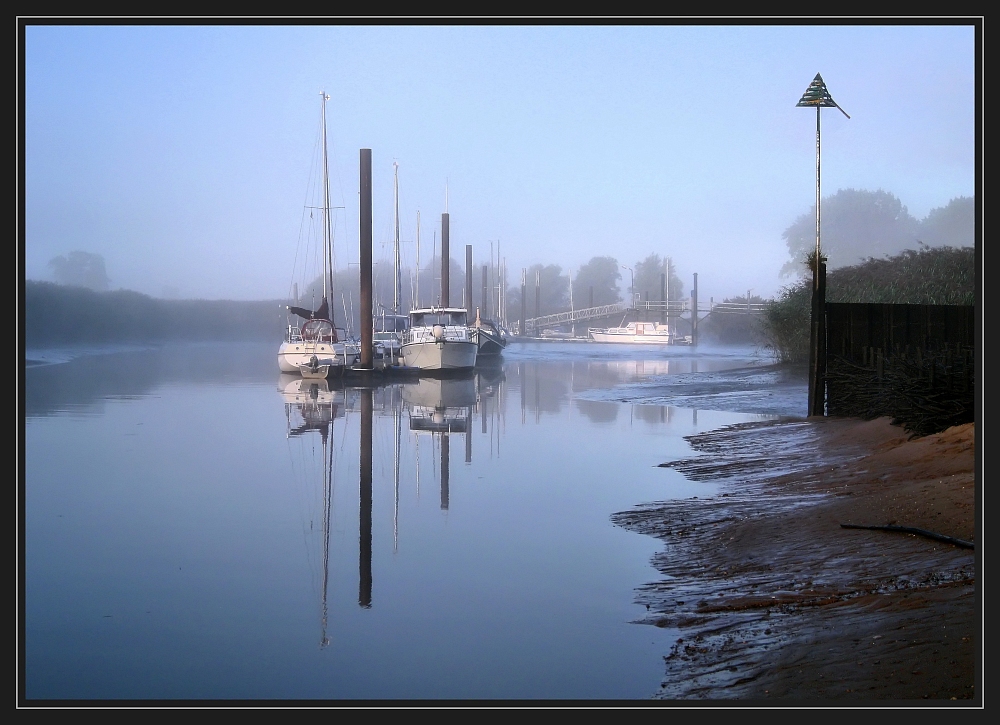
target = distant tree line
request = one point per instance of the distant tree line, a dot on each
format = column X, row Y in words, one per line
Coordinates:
column 57, row 314
column 857, row 224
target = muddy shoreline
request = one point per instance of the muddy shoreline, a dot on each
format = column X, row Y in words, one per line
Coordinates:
column 775, row 601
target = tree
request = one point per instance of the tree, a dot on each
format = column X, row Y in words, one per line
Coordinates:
column 554, row 292
column 647, row 278
column 602, row 274
column 856, row 224
column 80, row 269
column 953, row 225
column 430, row 282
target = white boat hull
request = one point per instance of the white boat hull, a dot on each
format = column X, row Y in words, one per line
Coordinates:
column 440, row 355
column 632, row 338
column 294, row 356
column 639, row 333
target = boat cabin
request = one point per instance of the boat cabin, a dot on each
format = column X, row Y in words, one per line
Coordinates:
column 443, row 316
column 317, row 330
column 389, row 323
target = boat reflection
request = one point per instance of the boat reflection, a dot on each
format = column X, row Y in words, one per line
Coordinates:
column 440, row 405
column 310, row 407
column 310, row 404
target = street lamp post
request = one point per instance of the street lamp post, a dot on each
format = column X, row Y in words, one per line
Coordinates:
column 631, row 289
column 817, row 96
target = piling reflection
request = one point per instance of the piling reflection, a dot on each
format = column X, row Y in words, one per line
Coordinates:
column 440, row 407
column 434, row 410
column 365, row 507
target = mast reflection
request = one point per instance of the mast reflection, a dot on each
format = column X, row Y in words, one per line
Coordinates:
column 311, row 406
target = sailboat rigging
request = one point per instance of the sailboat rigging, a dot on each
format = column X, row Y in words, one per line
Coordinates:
column 389, row 327
column 316, row 348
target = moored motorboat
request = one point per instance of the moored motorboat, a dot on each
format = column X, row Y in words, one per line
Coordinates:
column 490, row 339
column 439, row 338
column 642, row 333
column 388, row 336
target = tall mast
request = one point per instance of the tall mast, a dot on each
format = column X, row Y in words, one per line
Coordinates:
column 327, row 232
column 395, row 268
column 417, row 291
column 496, row 312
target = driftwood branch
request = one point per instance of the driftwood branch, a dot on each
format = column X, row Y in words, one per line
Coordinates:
column 919, row 532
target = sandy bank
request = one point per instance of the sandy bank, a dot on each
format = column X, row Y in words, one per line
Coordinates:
column 774, row 599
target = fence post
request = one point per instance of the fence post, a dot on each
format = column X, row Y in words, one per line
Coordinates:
column 817, row 348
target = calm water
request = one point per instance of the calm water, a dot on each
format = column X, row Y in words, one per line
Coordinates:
column 199, row 526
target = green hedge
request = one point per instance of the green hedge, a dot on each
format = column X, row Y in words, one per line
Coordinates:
column 929, row 276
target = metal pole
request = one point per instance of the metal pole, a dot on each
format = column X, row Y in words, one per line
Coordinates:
column 663, row 296
column 538, row 296
column 445, row 260
column 486, row 293
column 468, row 276
column 694, row 311
column 395, row 260
column 524, row 302
column 416, row 292
column 816, row 267
column 815, row 385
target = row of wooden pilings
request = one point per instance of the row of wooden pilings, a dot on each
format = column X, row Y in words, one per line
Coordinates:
column 367, row 308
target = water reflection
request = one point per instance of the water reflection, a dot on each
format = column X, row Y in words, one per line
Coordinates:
column 310, row 404
column 435, row 407
column 365, row 506
column 343, row 515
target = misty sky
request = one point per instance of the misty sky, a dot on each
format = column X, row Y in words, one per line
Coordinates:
column 182, row 153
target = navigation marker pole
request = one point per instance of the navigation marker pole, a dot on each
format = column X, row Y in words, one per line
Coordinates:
column 818, row 96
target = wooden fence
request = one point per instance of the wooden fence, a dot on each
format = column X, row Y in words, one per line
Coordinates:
column 915, row 363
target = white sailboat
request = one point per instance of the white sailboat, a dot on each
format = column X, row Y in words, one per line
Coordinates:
column 315, row 348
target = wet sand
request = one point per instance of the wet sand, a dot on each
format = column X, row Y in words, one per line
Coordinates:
column 774, row 600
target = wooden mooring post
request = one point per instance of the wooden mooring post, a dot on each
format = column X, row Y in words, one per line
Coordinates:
column 817, row 345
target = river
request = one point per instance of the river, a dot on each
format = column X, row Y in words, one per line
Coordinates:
column 199, row 527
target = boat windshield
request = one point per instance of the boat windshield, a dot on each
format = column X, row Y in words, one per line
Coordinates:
column 392, row 323
column 444, row 318
column 318, row 330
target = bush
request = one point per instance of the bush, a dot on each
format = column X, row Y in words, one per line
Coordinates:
column 928, row 276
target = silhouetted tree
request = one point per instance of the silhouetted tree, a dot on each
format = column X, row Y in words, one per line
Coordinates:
column 647, row 278
column 952, row 225
column 856, row 224
column 81, row 269
column 601, row 273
